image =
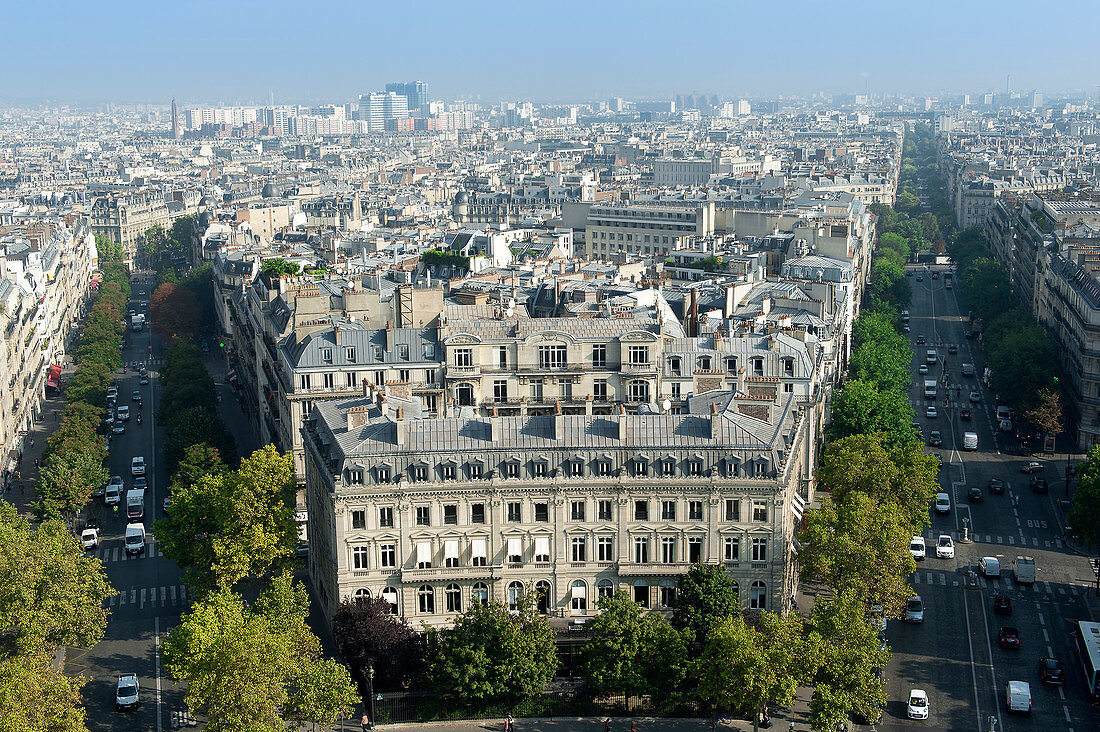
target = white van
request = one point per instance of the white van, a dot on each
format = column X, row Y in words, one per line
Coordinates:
column 1024, row 570
column 135, row 538
column 1018, row 696
column 990, row 566
column 970, row 440
column 930, row 357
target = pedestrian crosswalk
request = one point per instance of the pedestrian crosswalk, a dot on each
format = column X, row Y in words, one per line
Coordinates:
column 183, row 718
column 110, row 554
column 1000, row 584
column 143, row 597
column 1033, row 542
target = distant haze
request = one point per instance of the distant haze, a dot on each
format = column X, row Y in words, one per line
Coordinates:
column 237, row 51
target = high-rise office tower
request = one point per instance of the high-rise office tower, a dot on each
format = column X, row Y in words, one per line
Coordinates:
column 416, row 92
column 378, row 107
column 175, row 121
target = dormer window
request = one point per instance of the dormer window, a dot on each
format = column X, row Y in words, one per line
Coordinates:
column 695, row 467
column 758, row 367
column 382, row 474
column 703, row 363
column 419, row 472
column 603, row 467
column 674, row 365
column 349, row 354
column 355, row 476
column 641, row 467
column 733, row 468
column 668, row 467
column 326, row 355
column 731, row 364
column 788, row 367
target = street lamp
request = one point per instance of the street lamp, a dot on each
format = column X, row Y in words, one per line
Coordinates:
column 370, row 688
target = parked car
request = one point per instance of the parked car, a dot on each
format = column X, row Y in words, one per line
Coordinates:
column 1032, row 467
column 945, row 547
column 1009, row 637
column 975, row 494
column 917, row 547
column 1002, row 605
column 1051, row 671
column 943, row 503
column 89, row 538
column 996, row 486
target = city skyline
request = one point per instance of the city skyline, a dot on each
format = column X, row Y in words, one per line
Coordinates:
column 579, row 53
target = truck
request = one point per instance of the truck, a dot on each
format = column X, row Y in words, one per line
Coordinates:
column 135, row 538
column 137, row 322
column 970, row 440
column 1024, row 570
column 930, row 388
column 135, row 504
column 968, row 369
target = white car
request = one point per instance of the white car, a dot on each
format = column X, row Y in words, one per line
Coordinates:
column 89, row 538
column 137, row 466
column 112, row 392
column 914, row 610
column 943, row 503
column 126, row 692
column 945, row 547
column 917, row 548
column 124, row 413
column 113, row 494
column 975, row 397
column 923, row 369
column 931, row 413
column 918, row 704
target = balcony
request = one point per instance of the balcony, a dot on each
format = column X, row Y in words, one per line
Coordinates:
column 653, row 569
column 413, row 575
column 639, row 368
column 459, row 372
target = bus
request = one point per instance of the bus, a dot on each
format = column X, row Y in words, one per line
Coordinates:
column 1088, row 650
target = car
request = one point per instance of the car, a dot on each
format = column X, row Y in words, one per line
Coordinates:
column 112, row 494
column 1002, row 605
column 144, row 379
column 136, row 396
column 1009, row 637
column 1051, row 671
column 996, row 486
column 140, row 483
column 931, row 412
column 1039, row 485
column 975, row 397
column 908, row 273
column 947, row 284
column 302, row 550
column 923, row 369
column 137, row 466
column 917, row 547
column 920, row 278
column 914, row 610
column 920, row 340
column 167, row 503
column 989, row 566
column 935, row 439
column 943, row 503
column 124, row 413
column 952, row 349
column 935, row 275
column 141, row 294
column 945, row 547
column 126, row 692
column 1032, row 467
column 89, row 538
column 918, row 704
column 975, row 494
column 966, row 415
column 118, row 428
column 906, row 328
column 112, row 392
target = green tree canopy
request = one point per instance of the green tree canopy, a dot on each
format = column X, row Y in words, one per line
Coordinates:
column 705, row 596
column 35, row 697
column 860, row 407
column 493, row 654
column 1084, row 512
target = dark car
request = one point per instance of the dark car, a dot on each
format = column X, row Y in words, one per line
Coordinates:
column 1051, row 671
column 1040, row 485
column 975, row 495
column 1009, row 638
column 935, row 276
column 969, row 334
column 952, row 349
column 996, row 486
column 920, row 340
column 935, row 439
column 966, row 415
column 1002, row 604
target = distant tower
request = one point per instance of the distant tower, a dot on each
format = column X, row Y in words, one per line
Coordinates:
column 175, row 121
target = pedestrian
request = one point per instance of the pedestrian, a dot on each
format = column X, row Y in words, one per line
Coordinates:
column 36, row 462
column 633, row 727
column 509, row 724
column 365, row 722
column 607, row 725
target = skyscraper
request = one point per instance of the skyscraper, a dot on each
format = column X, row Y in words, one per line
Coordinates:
column 175, row 121
column 416, row 92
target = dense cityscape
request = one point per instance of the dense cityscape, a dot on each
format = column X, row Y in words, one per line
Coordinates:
column 672, row 412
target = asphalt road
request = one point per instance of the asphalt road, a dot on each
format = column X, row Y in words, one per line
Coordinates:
column 151, row 594
column 954, row 654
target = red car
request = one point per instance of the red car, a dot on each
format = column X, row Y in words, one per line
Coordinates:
column 1009, row 638
column 1002, row 605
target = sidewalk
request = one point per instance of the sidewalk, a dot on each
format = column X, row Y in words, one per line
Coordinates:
column 22, row 489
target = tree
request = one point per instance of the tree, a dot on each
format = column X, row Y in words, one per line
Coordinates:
column 69, row 478
column 369, row 635
column 35, row 697
column 175, row 311
column 854, row 544
column 744, row 667
column 238, row 524
column 848, row 678
column 1046, row 412
column 882, row 356
column 256, row 668
column 705, row 596
column 108, row 251
column 279, row 267
column 50, row 593
column 198, row 461
column 860, row 408
column 493, row 654
column 1084, row 512
column 630, row 652
column 196, row 425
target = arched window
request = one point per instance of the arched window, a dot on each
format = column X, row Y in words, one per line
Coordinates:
column 639, row 391
column 425, row 600
column 515, row 593
column 389, row 594
column 542, row 594
column 453, row 597
column 578, row 597
column 605, row 588
column 758, row 596
column 641, row 592
column 464, row 395
column 479, row 593
column 667, row 593
column 362, row 592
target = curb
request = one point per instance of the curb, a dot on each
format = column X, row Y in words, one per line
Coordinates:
column 496, row 723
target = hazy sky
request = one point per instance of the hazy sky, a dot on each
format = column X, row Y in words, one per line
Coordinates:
column 240, row 50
